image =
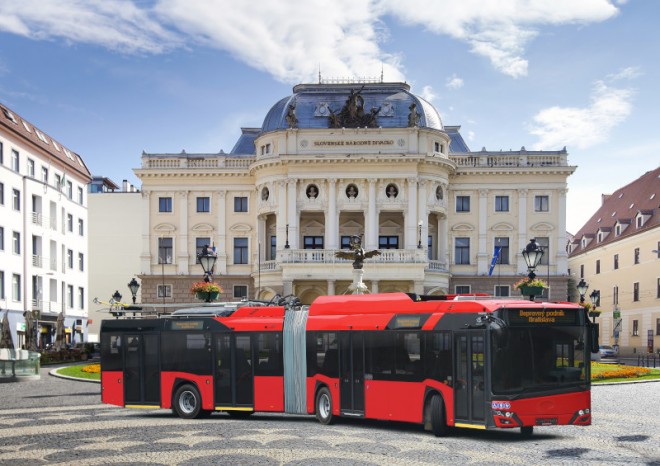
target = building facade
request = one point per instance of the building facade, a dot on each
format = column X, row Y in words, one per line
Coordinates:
column 114, row 246
column 617, row 252
column 43, row 231
column 334, row 160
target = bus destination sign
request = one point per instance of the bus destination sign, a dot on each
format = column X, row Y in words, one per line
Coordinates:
column 187, row 325
column 542, row 316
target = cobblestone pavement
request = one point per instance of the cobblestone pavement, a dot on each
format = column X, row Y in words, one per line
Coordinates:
column 57, row 421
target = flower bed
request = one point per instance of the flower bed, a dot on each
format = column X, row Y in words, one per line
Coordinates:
column 609, row 371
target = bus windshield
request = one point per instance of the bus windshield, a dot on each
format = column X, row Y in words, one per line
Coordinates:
column 534, row 359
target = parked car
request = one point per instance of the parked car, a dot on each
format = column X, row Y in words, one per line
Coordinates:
column 607, row 352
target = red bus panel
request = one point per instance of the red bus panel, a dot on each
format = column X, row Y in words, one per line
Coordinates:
column 269, row 394
column 569, row 408
column 204, row 384
column 394, row 401
column 112, row 388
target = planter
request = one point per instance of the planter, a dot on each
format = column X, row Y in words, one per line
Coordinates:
column 594, row 314
column 531, row 290
column 207, row 296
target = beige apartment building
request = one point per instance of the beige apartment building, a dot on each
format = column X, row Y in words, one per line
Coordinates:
column 617, row 252
column 334, row 160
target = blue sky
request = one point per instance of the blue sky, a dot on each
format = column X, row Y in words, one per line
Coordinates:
column 112, row 78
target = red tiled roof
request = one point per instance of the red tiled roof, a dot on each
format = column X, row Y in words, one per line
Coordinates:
column 26, row 131
column 642, row 196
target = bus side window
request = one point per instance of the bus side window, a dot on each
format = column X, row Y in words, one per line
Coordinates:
column 269, row 354
column 111, row 352
column 325, row 354
column 437, row 356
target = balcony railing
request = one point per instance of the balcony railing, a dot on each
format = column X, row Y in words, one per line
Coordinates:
column 511, row 159
column 37, row 260
column 328, row 256
column 37, row 218
column 205, row 162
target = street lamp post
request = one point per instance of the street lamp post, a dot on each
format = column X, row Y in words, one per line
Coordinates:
column 134, row 286
column 595, row 302
column 532, row 255
column 286, row 245
column 115, row 301
column 419, row 243
column 207, row 260
column 582, row 288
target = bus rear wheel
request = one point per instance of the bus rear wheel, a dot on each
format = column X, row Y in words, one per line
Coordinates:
column 438, row 419
column 187, row 402
column 324, row 406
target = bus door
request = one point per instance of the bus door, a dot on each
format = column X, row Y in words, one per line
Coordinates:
column 141, row 369
column 234, row 377
column 351, row 373
column 469, row 387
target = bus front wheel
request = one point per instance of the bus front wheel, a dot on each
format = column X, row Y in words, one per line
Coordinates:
column 438, row 419
column 187, row 402
column 324, row 406
column 527, row 431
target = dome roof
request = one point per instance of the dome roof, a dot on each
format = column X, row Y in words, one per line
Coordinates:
column 385, row 105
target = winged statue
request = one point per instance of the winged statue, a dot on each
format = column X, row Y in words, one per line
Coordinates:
column 357, row 253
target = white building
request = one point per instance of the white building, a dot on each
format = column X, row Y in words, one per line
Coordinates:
column 43, row 230
column 339, row 159
column 115, row 240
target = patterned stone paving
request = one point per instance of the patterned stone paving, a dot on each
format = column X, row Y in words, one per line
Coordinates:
column 52, row 421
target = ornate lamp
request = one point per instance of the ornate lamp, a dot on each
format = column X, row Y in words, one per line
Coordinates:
column 134, row 286
column 582, row 288
column 207, row 259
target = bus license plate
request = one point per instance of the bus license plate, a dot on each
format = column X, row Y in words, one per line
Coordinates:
column 546, row 421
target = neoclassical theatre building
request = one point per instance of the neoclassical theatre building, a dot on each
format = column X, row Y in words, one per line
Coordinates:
column 335, row 160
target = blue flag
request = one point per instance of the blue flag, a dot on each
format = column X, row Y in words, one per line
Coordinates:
column 494, row 261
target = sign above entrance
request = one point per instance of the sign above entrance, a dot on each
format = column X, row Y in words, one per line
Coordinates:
column 354, row 143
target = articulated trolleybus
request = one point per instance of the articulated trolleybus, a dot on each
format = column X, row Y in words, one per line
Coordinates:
column 469, row 362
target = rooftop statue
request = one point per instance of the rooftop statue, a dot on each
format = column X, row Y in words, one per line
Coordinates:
column 291, row 118
column 352, row 114
column 413, row 117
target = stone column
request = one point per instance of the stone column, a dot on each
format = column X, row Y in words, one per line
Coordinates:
column 483, row 251
column 372, row 217
column 443, row 239
column 331, row 219
column 331, row 287
column 522, row 230
column 560, row 248
column 292, row 215
column 221, row 232
column 422, row 214
column 281, row 215
column 411, row 215
column 183, row 236
column 145, row 256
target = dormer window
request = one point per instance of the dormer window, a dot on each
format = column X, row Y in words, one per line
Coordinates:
column 618, row 230
column 642, row 217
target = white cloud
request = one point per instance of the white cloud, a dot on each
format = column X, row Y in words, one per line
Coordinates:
column 291, row 39
column 583, row 127
column 454, row 82
column 116, row 24
column 428, row 94
column 630, row 72
column 498, row 30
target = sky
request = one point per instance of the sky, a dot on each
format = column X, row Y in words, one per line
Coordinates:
column 110, row 79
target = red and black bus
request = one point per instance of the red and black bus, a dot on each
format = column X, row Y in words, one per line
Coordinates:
column 470, row 362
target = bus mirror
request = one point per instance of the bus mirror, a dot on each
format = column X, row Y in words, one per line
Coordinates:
column 595, row 346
